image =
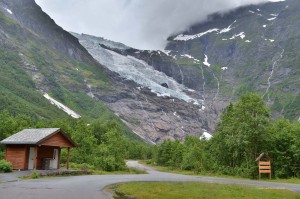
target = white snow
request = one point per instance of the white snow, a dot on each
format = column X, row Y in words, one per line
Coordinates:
column 224, row 68
column 206, row 61
column 167, row 52
column 258, row 10
column 196, row 61
column 138, row 71
column 274, row 15
column 161, row 94
column 224, row 39
column 276, row 0
column 227, row 29
column 241, row 35
column 264, row 26
column 191, row 90
column 196, row 103
column 202, row 108
column 188, row 56
column 251, row 11
column 205, row 136
column 271, row 19
column 271, row 40
column 176, row 115
column 248, row 41
column 9, row 11
column 62, row 107
column 183, row 37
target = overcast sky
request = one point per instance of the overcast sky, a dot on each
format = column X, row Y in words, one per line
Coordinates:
column 143, row 24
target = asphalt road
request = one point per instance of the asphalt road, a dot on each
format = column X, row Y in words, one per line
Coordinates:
column 92, row 186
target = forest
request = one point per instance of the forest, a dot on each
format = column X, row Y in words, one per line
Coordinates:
column 101, row 145
column 244, row 131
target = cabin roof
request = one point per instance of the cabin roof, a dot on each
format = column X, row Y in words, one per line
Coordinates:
column 262, row 155
column 34, row 136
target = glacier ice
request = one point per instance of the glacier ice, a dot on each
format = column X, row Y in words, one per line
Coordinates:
column 138, row 71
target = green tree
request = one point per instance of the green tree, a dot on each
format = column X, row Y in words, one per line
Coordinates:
column 85, row 141
column 170, row 153
column 241, row 135
column 285, row 149
column 194, row 157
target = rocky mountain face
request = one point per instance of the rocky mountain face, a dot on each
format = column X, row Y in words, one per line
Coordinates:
column 167, row 94
column 251, row 49
column 45, row 72
column 153, row 104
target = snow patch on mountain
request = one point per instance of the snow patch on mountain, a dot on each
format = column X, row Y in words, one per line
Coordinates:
column 241, row 35
column 196, row 61
column 9, row 11
column 4, row 7
column 271, row 19
column 103, row 41
column 276, row 0
column 183, row 37
column 205, row 135
column 206, row 61
column 274, row 15
column 227, row 29
column 62, row 107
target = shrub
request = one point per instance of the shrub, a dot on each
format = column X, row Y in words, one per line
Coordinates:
column 5, row 166
column 35, row 175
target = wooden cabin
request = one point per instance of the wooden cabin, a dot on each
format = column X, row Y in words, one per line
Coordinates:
column 37, row 148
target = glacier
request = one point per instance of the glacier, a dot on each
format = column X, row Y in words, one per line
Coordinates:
column 136, row 70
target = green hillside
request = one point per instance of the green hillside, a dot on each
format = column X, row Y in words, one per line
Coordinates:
column 38, row 57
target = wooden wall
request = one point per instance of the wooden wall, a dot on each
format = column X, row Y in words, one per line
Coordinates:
column 43, row 152
column 57, row 140
column 16, row 154
column 46, row 152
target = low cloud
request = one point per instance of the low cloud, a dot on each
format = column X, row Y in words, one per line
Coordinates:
column 138, row 23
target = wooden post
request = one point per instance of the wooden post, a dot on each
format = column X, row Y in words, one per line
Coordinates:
column 68, row 160
column 35, row 157
column 59, row 151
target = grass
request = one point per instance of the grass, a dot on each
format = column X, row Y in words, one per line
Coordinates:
column 123, row 172
column 186, row 172
column 36, row 174
column 189, row 172
column 191, row 190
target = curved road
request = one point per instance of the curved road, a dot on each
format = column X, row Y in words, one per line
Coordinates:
column 92, row 186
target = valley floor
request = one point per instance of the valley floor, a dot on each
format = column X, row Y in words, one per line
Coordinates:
column 93, row 186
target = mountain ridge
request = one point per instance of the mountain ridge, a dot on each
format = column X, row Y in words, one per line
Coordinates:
column 159, row 95
column 225, row 56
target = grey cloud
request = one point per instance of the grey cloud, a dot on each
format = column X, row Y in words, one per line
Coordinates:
column 142, row 24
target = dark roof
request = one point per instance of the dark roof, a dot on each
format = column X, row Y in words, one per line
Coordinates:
column 34, row 136
column 262, row 155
